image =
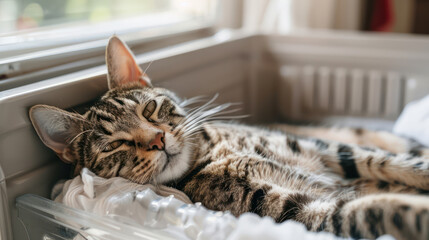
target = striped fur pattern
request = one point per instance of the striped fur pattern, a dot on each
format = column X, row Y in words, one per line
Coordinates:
column 350, row 190
column 118, row 117
column 351, row 182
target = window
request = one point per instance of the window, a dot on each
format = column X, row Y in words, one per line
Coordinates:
column 32, row 14
column 37, row 35
column 19, row 15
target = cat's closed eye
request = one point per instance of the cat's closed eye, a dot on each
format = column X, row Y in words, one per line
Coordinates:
column 149, row 109
column 113, row 145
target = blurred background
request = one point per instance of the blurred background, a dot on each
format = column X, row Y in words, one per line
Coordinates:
column 400, row 16
column 19, row 15
column 47, row 38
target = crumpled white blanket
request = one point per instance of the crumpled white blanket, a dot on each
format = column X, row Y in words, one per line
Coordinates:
column 117, row 197
column 414, row 121
column 93, row 193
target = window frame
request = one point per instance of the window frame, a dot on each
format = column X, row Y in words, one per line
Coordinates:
column 38, row 65
column 34, row 55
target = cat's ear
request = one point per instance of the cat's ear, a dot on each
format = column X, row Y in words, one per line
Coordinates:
column 56, row 128
column 122, row 66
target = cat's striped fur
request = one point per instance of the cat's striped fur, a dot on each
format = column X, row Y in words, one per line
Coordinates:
column 342, row 188
column 286, row 173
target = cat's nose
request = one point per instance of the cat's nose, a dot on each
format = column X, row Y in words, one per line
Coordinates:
column 157, row 143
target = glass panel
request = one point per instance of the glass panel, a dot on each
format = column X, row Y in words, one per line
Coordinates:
column 22, row 15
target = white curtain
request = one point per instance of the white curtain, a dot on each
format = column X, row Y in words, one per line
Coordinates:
column 288, row 15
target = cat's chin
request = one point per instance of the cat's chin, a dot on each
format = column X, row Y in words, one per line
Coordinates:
column 176, row 166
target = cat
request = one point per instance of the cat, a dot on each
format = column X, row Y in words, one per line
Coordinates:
column 147, row 134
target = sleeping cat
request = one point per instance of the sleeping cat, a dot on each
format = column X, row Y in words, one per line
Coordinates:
column 147, row 134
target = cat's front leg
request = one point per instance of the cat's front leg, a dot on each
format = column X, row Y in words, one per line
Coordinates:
column 353, row 161
column 377, row 139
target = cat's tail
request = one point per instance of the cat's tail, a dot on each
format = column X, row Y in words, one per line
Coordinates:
column 402, row 216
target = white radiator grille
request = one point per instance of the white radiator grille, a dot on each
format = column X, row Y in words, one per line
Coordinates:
column 306, row 91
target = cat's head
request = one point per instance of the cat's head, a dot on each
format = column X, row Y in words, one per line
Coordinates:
column 134, row 130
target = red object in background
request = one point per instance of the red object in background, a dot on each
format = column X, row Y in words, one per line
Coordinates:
column 382, row 16
column 26, row 23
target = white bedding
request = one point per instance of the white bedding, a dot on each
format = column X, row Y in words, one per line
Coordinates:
column 170, row 210
column 414, row 121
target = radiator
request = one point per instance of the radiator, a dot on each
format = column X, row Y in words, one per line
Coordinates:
column 307, row 91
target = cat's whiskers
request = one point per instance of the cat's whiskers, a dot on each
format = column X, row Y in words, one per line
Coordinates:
column 203, row 107
column 198, row 123
column 184, row 120
column 193, row 123
column 191, row 141
column 203, row 115
column 153, row 180
column 194, row 114
column 192, row 100
column 78, row 118
column 75, row 137
column 150, row 63
column 218, row 116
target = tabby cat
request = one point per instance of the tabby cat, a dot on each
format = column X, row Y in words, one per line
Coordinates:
column 148, row 134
